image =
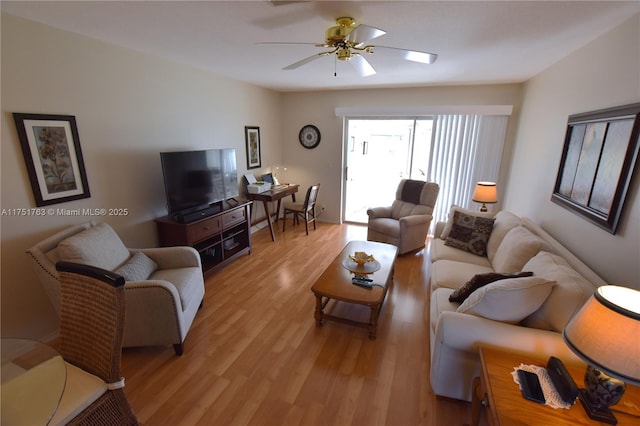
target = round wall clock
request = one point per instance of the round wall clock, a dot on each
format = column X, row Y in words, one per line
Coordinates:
column 309, row 136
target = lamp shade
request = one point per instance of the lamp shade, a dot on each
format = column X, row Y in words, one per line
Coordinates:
column 605, row 332
column 485, row 192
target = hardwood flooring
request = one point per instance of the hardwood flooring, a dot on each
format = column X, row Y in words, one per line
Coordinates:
column 254, row 355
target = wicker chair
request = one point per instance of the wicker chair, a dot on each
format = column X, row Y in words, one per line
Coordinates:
column 91, row 329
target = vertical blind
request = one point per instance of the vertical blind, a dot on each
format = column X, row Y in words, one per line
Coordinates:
column 465, row 149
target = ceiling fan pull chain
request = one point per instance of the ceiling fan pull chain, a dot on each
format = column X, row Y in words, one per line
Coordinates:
column 335, row 65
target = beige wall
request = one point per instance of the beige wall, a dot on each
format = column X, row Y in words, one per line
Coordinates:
column 323, row 164
column 128, row 107
column 603, row 74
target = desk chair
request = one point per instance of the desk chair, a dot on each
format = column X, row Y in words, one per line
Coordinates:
column 92, row 311
column 306, row 210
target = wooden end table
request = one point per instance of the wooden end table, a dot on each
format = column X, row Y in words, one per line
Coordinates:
column 496, row 390
column 335, row 283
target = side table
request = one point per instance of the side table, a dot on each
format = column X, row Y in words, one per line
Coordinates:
column 496, row 390
column 33, row 380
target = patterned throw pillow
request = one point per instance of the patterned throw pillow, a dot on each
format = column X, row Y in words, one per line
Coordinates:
column 460, row 294
column 470, row 233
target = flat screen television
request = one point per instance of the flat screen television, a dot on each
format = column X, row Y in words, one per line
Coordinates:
column 196, row 181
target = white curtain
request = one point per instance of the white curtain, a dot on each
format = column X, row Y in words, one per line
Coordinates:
column 465, row 149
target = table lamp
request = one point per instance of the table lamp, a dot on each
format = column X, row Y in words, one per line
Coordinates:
column 485, row 192
column 605, row 333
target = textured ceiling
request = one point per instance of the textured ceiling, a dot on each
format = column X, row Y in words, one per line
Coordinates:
column 477, row 41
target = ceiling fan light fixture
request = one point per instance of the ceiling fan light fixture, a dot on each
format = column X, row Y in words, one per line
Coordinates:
column 345, row 54
column 338, row 33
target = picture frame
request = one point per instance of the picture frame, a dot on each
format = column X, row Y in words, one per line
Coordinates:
column 598, row 160
column 51, row 148
column 252, row 141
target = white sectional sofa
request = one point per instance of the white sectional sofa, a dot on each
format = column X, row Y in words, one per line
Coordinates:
column 524, row 314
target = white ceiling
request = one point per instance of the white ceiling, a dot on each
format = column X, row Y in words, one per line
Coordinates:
column 477, row 41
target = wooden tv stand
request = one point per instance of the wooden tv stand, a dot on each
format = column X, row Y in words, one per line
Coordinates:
column 219, row 238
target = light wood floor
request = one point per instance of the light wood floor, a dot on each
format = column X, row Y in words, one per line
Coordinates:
column 255, row 357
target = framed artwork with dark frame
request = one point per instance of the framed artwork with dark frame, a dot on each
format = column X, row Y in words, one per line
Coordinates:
column 51, row 149
column 597, row 164
column 252, row 140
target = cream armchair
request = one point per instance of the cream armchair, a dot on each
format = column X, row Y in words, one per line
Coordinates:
column 406, row 222
column 164, row 286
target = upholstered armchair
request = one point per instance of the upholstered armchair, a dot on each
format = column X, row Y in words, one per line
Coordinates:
column 164, row 286
column 406, row 222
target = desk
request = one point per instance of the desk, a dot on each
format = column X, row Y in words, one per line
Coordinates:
column 506, row 406
column 275, row 194
column 33, row 380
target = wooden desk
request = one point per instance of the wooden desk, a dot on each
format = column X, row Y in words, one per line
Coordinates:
column 506, row 406
column 276, row 194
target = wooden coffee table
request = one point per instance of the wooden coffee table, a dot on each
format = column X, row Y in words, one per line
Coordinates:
column 335, row 283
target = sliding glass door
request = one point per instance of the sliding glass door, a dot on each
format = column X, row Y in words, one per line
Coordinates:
column 379, row 153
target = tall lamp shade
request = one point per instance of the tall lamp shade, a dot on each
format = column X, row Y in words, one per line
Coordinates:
column 485, row 193
column 605, row 333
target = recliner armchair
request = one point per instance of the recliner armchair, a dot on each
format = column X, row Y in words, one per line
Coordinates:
column 164, row 287
column 406, row 222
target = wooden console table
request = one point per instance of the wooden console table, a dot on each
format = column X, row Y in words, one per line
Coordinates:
column 496, row 390
column 219, row 238
column 275, row 194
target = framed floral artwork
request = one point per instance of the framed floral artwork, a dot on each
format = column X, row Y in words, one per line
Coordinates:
column 51, row 149
column 252, row 139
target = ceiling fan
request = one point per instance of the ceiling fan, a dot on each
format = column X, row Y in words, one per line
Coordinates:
column 348, row 42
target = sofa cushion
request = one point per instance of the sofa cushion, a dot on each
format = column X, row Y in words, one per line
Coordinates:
column 137, row 268
column 452, row 274
column 504, row 222
column 460, row 294
column 567, row 296
column 97, row 246
column 438, row 250
column 517, row 247
column 447, row 227
column 470, row 233
column 509, row 300
column 440, row 303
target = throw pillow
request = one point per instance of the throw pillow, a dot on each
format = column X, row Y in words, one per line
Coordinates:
column 97, row 246
column 447, row 227
column 515, row 250
column 568, row 295
column 137, row 268
column 460, row 294
column 510, row 300
column 470, row 233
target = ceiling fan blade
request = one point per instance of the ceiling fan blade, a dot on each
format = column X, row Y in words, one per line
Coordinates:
column 306, row 61
column 363, row 66
column 413, row 55
column 364, row 33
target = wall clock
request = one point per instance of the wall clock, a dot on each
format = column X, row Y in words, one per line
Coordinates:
column 309, row 136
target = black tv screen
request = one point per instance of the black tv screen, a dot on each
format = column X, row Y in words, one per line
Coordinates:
column 194, row 180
